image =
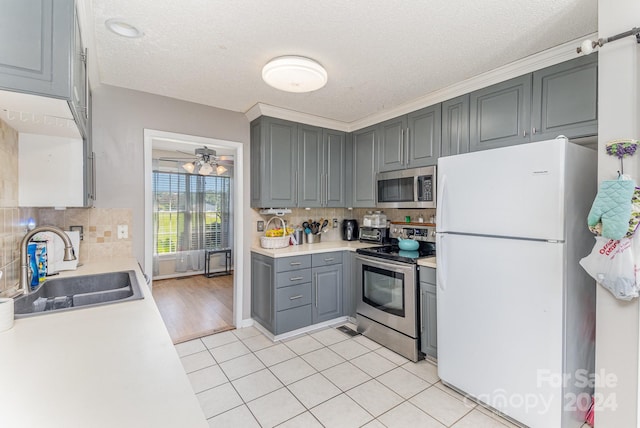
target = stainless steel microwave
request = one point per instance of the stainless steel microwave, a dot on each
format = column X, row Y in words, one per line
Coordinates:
column 408, row 188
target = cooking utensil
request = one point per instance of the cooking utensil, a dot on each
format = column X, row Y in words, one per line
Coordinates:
column 325, row 223
column 408, row 244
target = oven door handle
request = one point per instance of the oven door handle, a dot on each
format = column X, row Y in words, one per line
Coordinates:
column 386, row 264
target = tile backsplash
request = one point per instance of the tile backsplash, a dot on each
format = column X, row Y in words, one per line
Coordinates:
column 99, row 226
column 298, row 215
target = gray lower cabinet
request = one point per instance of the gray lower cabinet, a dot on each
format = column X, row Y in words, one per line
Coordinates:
column 42, row 53
column 428, row 312
column 364, row 167
column 288, row 293
column 327, row 286
column 500, row 115
column 263, row 290
column 349, row 290
column 274, row 160
column 455, row 126
column 565, row 99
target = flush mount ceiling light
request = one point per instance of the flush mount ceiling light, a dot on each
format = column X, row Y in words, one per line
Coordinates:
column 123, row 28
column 294, row 74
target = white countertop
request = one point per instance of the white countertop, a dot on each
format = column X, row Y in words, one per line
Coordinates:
column 107, row 366
column 428, row 262
column 304, row 249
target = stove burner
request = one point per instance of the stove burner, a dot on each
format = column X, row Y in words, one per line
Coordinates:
column 393, row 252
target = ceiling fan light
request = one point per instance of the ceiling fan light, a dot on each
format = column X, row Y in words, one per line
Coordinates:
column 205, row 169
column 294, row 74
column 189, row 167
column 220, row 169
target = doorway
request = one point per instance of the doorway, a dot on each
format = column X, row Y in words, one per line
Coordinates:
column 193, row 299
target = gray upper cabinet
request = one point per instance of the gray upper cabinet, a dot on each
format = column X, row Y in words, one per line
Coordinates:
column 391, row 144
column 274, row 149
column 310, row 175
column 424, row 137
column 455, row 126
column 500, row 115
column 297, row 165
column 565, row 99
column 364, row 167
column 45, row 55
column 334, row 154
column 410, row 141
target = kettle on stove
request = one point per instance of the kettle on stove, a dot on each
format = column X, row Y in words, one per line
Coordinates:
column 350, row 230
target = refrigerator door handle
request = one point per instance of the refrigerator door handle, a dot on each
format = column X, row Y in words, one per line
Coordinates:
column 440, row 204
column 441, row 263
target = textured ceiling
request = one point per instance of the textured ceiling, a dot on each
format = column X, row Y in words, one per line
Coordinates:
column 379, row 53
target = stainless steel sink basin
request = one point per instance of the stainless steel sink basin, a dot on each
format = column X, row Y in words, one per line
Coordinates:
column 66, row 294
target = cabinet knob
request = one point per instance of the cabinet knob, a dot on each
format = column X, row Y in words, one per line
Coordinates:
column 534, row 130
column 524, row 133
column 296, row 278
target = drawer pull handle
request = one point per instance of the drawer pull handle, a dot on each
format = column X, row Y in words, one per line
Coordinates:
column 299, row 296
column 295, row 263
column 296, row 278
column 330, row 259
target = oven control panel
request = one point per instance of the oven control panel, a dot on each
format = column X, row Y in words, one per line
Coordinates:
column 419, row 233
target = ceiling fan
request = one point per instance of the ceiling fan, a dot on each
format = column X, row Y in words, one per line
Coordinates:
column 205, row 162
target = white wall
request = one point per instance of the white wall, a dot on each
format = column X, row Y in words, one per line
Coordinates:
column 119, row 119
column 617, row 329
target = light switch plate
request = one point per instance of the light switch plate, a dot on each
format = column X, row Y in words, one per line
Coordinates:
column 335, row 223
column 260, row 226
column 123, row 231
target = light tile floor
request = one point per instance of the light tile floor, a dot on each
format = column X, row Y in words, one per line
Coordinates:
column 321, row 379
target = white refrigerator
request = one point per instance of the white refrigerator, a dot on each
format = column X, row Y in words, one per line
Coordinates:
column 515, row 311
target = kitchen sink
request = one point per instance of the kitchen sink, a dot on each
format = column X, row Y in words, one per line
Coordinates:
column 66, row 294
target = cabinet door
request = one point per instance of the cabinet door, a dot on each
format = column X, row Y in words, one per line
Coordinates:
column 429, row 321
column 37, row 42
column 80, row 86
column 310, row 176
column 274, row 149
column 349, row 284
column 335, row 168
column 364, row 171
column 455, row 126
column 424, row 136
column 327, row 289
column 262, row 290
column 501, row 114
column 89, row 160
column 392, row 150
column 565, row 99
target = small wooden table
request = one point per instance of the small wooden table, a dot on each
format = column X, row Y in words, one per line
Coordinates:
column 207, row 262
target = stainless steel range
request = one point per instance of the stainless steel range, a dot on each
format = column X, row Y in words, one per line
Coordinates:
column 388, row 290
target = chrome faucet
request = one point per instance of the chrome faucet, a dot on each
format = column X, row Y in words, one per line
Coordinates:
column 24, row 265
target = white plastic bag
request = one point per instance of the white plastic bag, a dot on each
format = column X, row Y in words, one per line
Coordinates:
column 612, row 264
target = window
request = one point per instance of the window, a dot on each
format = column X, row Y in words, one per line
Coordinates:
column 191, row 212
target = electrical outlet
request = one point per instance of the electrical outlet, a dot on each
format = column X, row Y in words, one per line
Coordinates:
column 335, row 223
column 260, row 226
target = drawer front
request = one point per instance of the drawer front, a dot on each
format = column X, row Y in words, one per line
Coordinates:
column 285, row 264
column 323, row 259
column 294, row 296
column 286, row 279
column 427, row 274
column 292, row 319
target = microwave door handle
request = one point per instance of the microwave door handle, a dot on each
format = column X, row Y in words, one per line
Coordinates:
column 416, row 186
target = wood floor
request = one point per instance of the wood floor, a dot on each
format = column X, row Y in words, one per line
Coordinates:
column 195, row 306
